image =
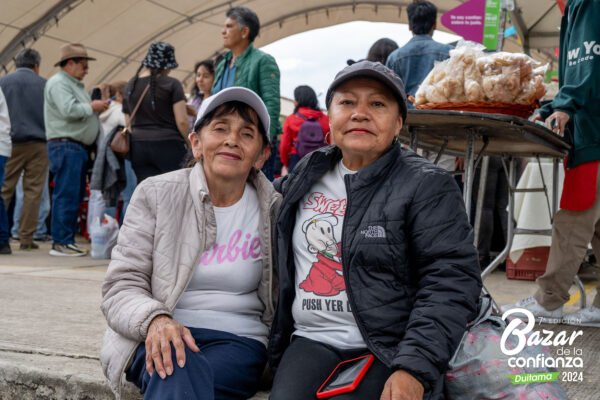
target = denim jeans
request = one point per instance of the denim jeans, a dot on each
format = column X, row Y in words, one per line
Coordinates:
column 129, row 188
column 67, row 163
column 41, row 229
column 3, row 216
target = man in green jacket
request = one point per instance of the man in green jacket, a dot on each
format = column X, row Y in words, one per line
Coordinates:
column 575, row 114
column 245, row 66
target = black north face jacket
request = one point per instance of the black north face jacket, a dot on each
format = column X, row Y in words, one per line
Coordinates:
column 409, row 264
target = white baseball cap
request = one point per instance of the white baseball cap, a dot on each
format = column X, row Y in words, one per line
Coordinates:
column 236, row 93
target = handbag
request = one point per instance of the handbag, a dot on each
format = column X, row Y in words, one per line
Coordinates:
column 479, row 368
column 120, row 142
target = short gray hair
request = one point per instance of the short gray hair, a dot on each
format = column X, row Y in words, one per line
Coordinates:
column 245, row 17
column 28, row 58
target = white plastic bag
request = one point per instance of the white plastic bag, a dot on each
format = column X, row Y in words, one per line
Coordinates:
column 96, row 205
column 103, row 234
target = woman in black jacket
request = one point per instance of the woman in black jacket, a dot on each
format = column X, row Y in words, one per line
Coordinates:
column 375, row 254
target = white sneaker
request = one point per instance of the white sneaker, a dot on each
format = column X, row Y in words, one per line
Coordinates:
column 589, row 316
column 538, row 311
column 67, row 250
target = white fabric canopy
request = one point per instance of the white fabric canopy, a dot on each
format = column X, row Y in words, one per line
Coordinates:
column 117, row 32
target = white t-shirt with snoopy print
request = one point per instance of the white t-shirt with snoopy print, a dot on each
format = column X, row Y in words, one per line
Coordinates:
column 321, row 309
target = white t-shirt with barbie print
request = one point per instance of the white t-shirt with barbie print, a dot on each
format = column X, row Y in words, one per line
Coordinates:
column 321, row 309
column 222, row 294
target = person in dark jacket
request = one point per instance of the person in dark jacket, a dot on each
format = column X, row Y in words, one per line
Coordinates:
column 375, row 254
column 24, row 91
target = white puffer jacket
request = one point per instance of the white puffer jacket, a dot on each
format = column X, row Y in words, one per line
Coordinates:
column 169, row 223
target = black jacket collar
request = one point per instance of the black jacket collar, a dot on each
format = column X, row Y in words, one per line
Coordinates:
column 312, row 168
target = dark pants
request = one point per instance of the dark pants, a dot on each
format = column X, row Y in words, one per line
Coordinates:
column 494, row 207
column 67, row 163
column 293, row 160
column 3, row 216
column 228, row 367
column 272, row 167
column 306, row 364
column 149, row 158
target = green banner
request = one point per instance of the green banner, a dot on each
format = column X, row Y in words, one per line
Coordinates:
column 491, row 24
column 523, row 379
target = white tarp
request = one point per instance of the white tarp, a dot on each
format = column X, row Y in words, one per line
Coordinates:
column 117, row 32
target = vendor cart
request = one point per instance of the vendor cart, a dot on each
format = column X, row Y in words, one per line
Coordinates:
column 473, row 135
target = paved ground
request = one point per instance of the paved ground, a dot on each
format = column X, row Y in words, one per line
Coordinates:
column 51, row 328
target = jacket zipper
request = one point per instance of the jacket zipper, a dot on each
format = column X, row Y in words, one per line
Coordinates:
column 197, row 260
column 346, row 272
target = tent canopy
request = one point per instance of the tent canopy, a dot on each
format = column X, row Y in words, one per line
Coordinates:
column 118, row 32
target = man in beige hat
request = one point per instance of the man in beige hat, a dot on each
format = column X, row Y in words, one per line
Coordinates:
column 71, row 124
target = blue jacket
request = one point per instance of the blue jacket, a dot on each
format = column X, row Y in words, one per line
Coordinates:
column 413, row 61
column 24, row 92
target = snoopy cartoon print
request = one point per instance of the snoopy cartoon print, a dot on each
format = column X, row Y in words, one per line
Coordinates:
column 325, row 277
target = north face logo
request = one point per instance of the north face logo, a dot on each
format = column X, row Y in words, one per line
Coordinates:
column 374, row 232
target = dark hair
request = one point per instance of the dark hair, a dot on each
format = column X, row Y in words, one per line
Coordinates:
column 28, row 58
column 153, row 74
column 381, row 49
column 210, row 66
column 245, row 112
column 305, row 96
column 117, row 87
column 245, row 17
column 422, row 15
column 76, row 60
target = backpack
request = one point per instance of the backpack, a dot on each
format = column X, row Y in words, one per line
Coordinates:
column 310, row 136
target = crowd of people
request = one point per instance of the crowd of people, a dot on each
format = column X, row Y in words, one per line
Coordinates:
column 56, row 129
column 359, row 248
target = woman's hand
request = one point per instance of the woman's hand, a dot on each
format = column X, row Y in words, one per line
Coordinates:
column 402, row 386
column 163, row 331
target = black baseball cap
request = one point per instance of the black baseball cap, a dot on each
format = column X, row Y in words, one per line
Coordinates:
column 375, row 70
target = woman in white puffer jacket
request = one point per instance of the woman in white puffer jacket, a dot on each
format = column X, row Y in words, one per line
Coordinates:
column 188, row 296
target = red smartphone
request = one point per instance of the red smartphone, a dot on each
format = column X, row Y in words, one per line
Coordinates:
column 345, row 377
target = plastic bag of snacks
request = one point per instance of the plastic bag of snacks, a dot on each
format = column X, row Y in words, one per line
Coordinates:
column 470, row 75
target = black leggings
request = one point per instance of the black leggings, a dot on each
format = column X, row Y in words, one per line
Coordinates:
column 306, row 364
column 150, row 158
